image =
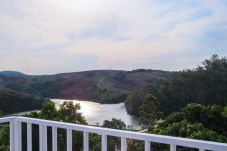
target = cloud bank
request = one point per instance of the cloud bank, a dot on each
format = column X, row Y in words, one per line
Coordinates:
column 50, row 36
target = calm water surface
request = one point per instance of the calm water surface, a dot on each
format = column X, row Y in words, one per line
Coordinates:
column 96, row 113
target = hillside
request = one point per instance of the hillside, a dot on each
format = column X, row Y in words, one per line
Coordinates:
column 13, row 102
column 104, row 86
column 206, row 84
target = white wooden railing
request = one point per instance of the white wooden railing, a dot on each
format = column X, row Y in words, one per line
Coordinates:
column 16, row 138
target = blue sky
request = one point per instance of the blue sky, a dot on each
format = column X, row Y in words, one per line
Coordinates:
column 52, row 36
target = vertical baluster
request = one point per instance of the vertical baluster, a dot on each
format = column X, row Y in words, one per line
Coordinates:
column 19, row 136
column 173, row 147
column 42, row 138
column 123, row 144
column 86, row 141
column 69, row 140
column 12, row 135
column 104, row 143
column 147, row 145
column 54, row 139
column 29, row 137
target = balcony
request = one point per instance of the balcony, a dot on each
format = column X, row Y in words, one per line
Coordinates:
column 16, row 136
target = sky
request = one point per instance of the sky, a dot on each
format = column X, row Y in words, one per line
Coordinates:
column 55, row 36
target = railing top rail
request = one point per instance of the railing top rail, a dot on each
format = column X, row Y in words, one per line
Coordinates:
column 5, row 119
column 127, row 134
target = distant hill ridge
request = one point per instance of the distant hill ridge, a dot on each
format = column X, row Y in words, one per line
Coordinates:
column 11, row 73
column 104, row 86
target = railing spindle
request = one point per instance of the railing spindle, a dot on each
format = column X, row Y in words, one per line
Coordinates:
column 29, row 137
column 19, row 136
column 42, row 138
column 86, row 141
column 11, row 128
column 104, row 143
column 123, row 144
column 54, row 139
column 173, row 147
column 69, row 140
column 147, row 145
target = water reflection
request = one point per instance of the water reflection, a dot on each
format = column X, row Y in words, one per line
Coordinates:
column 96, row 113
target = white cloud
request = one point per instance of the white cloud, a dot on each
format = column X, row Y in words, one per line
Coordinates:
column 142, row 31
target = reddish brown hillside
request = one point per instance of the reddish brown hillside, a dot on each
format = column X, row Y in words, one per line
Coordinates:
column 75, row 86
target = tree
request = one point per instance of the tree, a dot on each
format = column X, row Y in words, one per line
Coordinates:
column 13, row 101
column 149, row 111
column 49, row 111
column 206, row 85
column 225, row 112
column 114, row 123
column 133, row 101
column 195, row 121
column 68, row 112
column 114, row 142
column 4, row 137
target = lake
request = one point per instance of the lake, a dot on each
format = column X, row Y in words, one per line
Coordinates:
column 96, row 113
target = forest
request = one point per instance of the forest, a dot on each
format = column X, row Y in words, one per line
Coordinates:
column 206, row 84
column 14, row 102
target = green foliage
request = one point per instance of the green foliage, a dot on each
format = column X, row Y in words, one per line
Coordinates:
column 68, row 112
column 13, row 102
column 45, row 86
column 114, row 123
column 206, row 84
column 134, row 100
column 210, row 116
column 149, row 111
column 135, row 145
column 195, row 121
column 225, row 112
column 4, row 137
column 48, row 111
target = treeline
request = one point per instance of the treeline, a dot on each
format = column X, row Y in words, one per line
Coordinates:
column 195, row 121
column 206, row 84
column 13, row 102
